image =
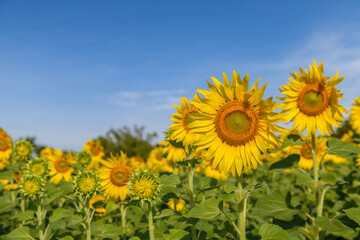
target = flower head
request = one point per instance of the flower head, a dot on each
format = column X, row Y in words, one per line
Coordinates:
column 5, row 149
column 60, row 167
column 95, row 149
column 31, row 185
column 87, row 183
column 38, row 166
column 311, row 101
column 235, row 124
column 144, row 185
column 355, row 116
column 137, row 163
column 23, row 149
column 157, row 162
column 84, row 158
column 101, row 211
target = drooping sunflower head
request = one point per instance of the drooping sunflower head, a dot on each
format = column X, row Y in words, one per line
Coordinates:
column 176, row 204
column 31, row 185
column 101, row 211
column 5, row 146
column 144, row 185
column 311, row 101
column 180, row 130
column 38, row 166
column 235, row 124
column 114, row 175
column 173, row 153
column 157, row 162
column 355, row 116
column 95, row 149
column 23, row 149
column 83, row 158
column 87, row 183
column 137, row 163
column 61, row 167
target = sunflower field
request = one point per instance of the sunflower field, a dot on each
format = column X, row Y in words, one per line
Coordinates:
column 233, row 166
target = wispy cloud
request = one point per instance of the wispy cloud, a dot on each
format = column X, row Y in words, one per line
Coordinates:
column 156, row 100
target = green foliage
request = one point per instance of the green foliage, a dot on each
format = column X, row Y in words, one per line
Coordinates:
column 273, row 232
column 133, row 143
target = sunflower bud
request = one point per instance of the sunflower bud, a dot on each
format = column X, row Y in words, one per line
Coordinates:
column 144, row 185
column 84, row 158
column 87, row 183
column 38, row 166
column 23, row 149
column 31, row 186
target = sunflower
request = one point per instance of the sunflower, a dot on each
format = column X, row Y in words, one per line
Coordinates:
column 311, row 101
column 114, row 175
column 60, row 167
column 17, row 178
column 176, row 204
column 213, row 172
column 137, row 163
column 173, row 153
column 144, row 185
column 31, row 186
column 23, row 149
column 306, row 160
column 235, row 124
column 180, row 130
column 38, row 166
column 101, row 211
column 355, row 116
column 5, row 149
column 95, row 149
column 87, row 183
column 83, row 158
column 156, row 162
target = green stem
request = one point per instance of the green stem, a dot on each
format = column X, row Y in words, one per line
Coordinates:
column 40, row 217
column 191, row 193
column 123, row 219
column 241, row 212
column 151, row 225
column 313, row 152
column 321, row 202
column 88, row 223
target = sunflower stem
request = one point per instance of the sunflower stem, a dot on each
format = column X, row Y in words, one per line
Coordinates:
column 151, row 225
column 313, row 152
column 40, row 217
column 241, row 212
column 123, row 219
column 191, row 193
column 88, row 223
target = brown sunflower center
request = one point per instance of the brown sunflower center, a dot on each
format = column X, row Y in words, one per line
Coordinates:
column 119, row 176
column 95, row 150
column 236, row 123
column 62, row 165
column 313, row 100
column 4, row 144
column 305, row 151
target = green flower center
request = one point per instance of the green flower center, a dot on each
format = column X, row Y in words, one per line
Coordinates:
column 31, row 186
column 38, row 169
column 313, row 99
column 86, row 184
column 237, row 122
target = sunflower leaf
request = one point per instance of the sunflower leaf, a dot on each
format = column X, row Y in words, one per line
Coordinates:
column 341, row 148
column 332, row 225
column 353, row 214
column 270, row 231
column 205, row 210
column 286, row 163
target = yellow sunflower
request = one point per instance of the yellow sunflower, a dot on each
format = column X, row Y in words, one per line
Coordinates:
column 180, row 129
column 5, row 149
column 101, row 211
column 95, row 149
column 306, row 160
column 173, row 154
column 60, row 167
column 176, row 204
column 209, row 171
column 235, row 124
column 158, row 163
column 311, row 101
column 355, row 116
column 114, row 174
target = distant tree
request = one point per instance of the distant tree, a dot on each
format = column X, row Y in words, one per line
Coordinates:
column 133, row 142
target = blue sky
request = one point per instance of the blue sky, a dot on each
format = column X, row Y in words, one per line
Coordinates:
column 71, row 70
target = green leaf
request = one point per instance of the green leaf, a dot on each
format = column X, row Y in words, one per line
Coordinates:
column 285, row 163
column 168, row 180
column 6, row 175
column 175, row 234
column 208, row 183
column 166, row 213
column 135, row 238
column 24, row 215
column 60, row 213
column 272, row 232
column 229, row 188
column 353, row 214
column 67, row 238
column 5, row 204
column 176, row 144
column 289, row 140
column 303, row 178
column 111, row 206
column 99, row 204
column 77, row 219
column 205, row 210
column 22, row 233
column 329, row 178
column 105, row 230
column 332, row 225
column 341, row 148
column 275, row 204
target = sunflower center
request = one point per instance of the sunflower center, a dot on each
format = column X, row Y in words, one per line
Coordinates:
column 38, row 169
column 4, row 145
column 22, row 150
column 62, row 165
column 119, row 176
column 305, row 152
column 236, row 123
column 31, row 186
column 95, row 150
column 87, row 184
column 144, row 188
column 313, row 100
